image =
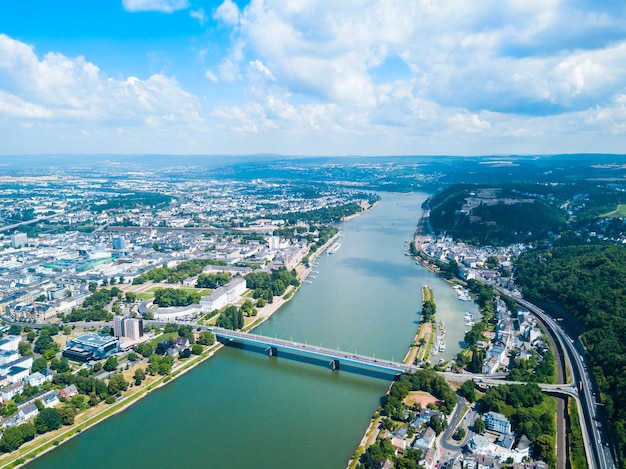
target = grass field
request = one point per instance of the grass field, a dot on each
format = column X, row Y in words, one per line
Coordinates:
column 202, row 291
column 619, row 212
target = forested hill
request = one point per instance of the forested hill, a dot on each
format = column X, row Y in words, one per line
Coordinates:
column 590, row 282
column 493, row 215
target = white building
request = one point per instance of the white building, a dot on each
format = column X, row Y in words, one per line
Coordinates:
column 10, row 342
column 128, row 327
column 224, row 295
column 18, row 239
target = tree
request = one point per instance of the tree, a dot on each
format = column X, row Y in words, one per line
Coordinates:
column 145, row 349
column 67, row 413
column 544, row 449
column 437, row 424
column 39, row 364
column 14, row 437
column 117, row 384
column 132, row 357
column 43, row 343
column 459, row 434
column 61, row 365
column 25, row 348
column 139, row 376
column 93, row 286
column 111, row 364
column 196, row 349
column 468, row 390
column 47, row 420
column 206, row 338
column 479, row 425
column 30, row 336
column 15, row 329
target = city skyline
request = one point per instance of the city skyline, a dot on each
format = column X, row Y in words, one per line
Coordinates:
column 312, row 78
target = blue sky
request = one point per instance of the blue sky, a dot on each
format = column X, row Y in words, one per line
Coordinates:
column 304, row 77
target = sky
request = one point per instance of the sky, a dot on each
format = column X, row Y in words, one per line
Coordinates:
column 313, row 77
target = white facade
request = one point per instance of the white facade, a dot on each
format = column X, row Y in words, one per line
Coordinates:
column 19, row 239
column 10, row 342
column 224, row 295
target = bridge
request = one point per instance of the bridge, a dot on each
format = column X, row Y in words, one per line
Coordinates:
column 336, row 357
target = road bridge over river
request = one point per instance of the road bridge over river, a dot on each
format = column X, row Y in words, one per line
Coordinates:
column 336, row 357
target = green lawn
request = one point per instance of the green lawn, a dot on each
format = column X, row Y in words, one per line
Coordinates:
column 619, row 212
column 202, row 291
column 145, row 296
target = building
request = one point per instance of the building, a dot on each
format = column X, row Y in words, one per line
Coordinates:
column 11, row 390
column 133, row 328
column 118, row 326
column 235, row 288
column 19, row 364
column 10, row 342
column 19, row 240
column 222, row 296
column 91, row 345
column 17, row 374
column 118, row 243
column 497, row 422
column 7, row 356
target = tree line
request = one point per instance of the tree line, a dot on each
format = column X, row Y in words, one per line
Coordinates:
column 589, row 281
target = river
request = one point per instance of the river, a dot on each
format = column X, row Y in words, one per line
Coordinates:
column 243, row 409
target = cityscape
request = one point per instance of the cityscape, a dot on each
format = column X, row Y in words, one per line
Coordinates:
column 312, row 234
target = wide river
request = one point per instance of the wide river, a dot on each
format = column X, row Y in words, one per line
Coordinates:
column 243, row 409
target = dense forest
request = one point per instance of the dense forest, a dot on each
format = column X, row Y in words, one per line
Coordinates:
column 590, row 282
column 501, row 217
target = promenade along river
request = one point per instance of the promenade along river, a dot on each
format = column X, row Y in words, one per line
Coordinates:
column 243, row 409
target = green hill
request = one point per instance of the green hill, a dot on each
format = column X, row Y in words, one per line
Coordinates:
column 492, row 215
column 589, row 282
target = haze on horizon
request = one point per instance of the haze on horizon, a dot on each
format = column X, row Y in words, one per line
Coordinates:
column 304, row 77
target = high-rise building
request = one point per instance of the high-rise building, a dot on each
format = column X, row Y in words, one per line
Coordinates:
column 118, row 326
column 133, row 328
column 119, row 243
column 128, row 327
column 19, row 239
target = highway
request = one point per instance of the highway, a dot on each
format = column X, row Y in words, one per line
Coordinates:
column 597, row 454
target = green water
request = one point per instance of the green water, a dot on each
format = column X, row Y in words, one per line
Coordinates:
column 242, row 409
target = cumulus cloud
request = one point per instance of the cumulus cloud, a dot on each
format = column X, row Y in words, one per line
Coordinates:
column 72, row 89
column 228, row 13
column 164, row 6
column 199, row 15
column 211, row 76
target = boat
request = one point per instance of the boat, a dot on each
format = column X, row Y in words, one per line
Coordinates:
column 442, row 325
column 333, row 248
column 442, row 346
column 470, row 323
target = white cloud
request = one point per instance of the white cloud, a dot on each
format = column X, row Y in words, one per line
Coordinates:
column 164, row 6
column 211, row 76
column 228, row 13
column 199, row 15
column 61, row 89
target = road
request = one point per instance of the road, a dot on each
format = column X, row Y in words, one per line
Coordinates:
column 597, row 454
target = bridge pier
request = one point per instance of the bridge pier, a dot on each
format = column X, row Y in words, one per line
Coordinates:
column 334, row 364
column 272, row 351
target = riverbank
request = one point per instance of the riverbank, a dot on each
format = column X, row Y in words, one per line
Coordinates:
column 91, row 417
